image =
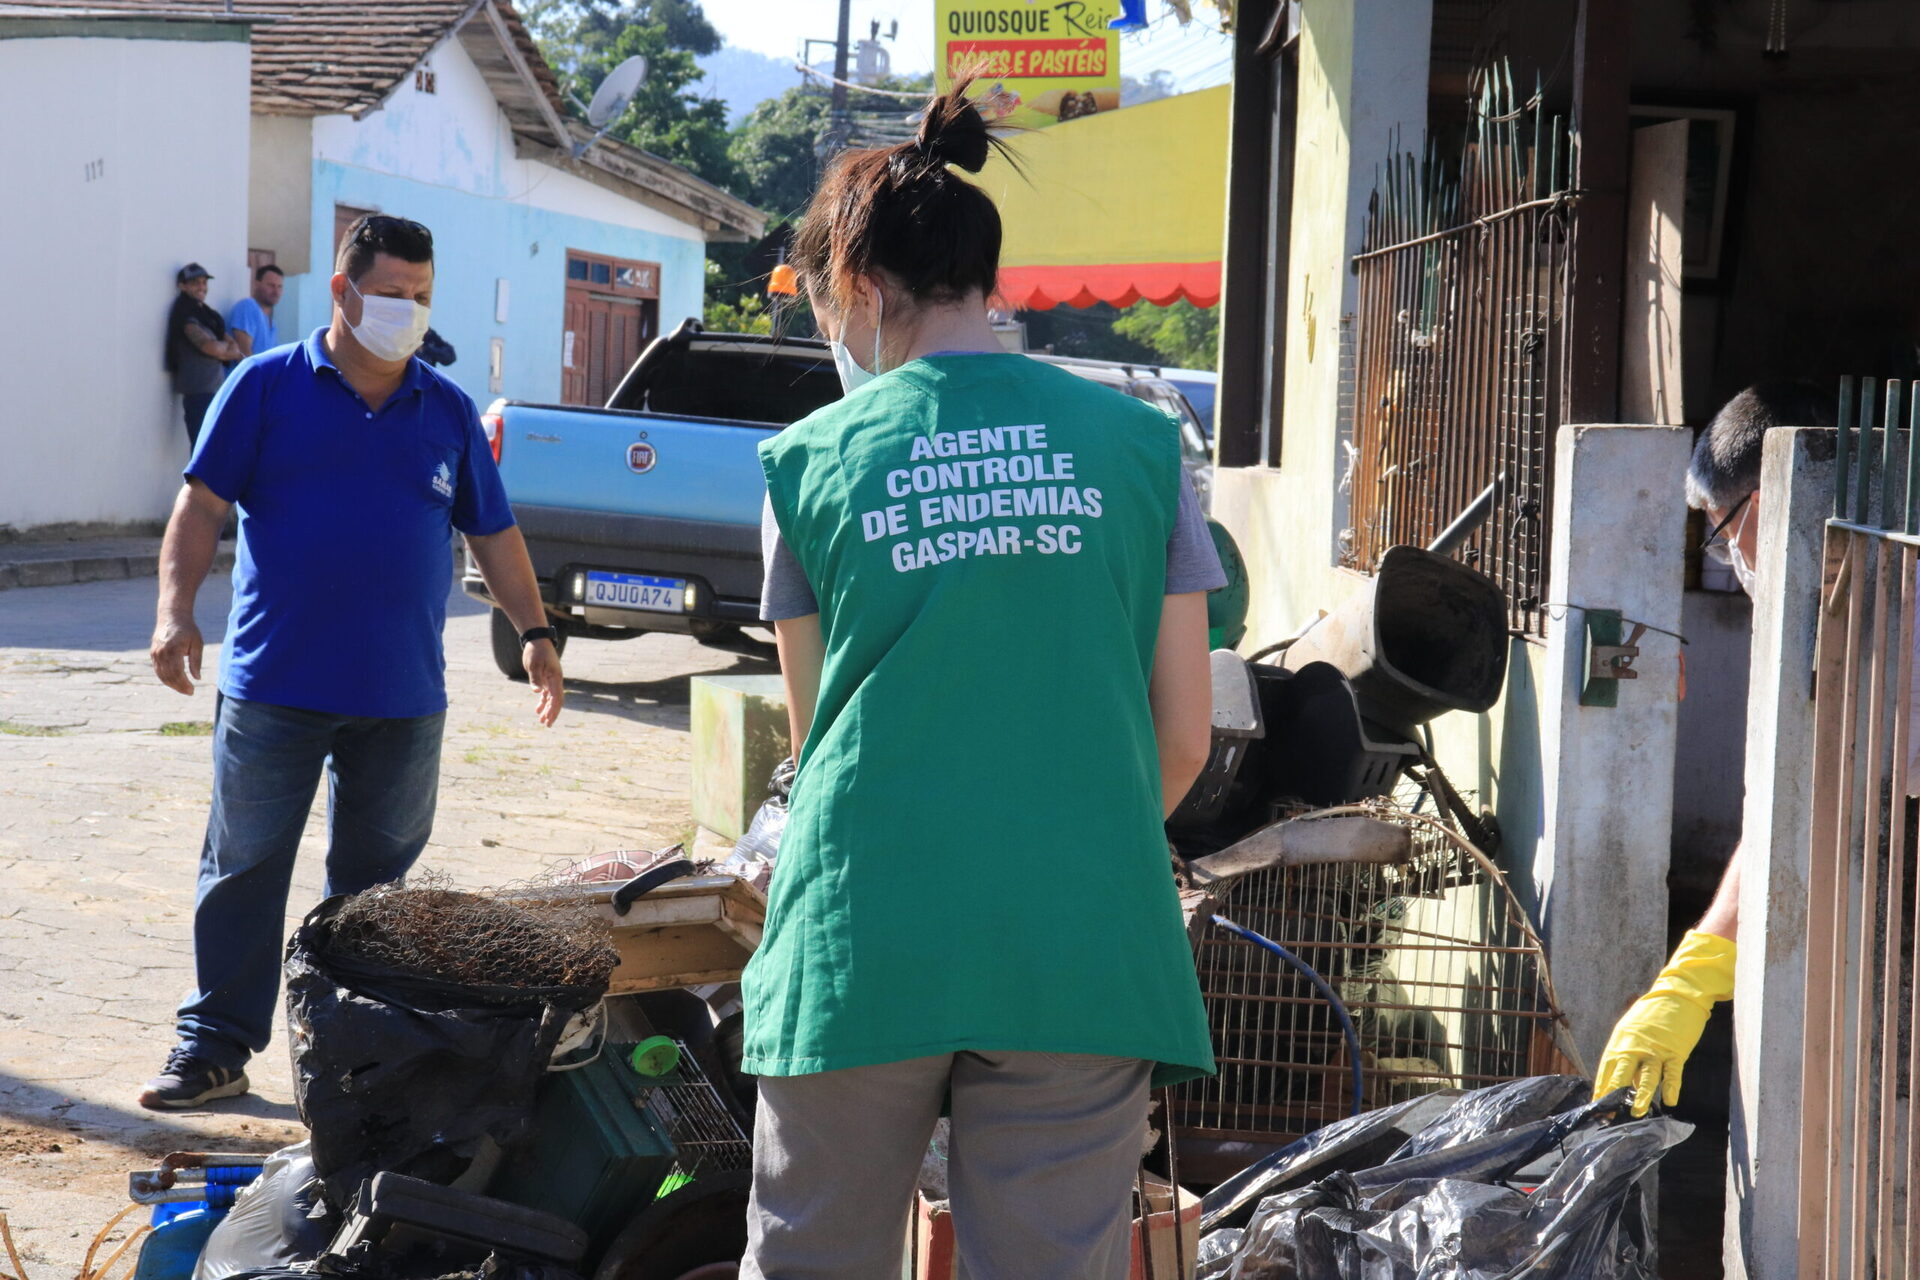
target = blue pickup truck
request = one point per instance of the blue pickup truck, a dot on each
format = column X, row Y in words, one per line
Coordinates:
column 645, row 515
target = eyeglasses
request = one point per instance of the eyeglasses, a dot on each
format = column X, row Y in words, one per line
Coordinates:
column 379, row 225
column 1717, row 547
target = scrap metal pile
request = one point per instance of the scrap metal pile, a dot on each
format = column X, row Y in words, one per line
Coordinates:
column 478, row 1103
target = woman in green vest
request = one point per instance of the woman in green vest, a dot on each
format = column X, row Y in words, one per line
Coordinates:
column 988, row 581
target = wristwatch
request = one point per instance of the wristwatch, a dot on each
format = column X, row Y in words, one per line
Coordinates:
column 531, row 634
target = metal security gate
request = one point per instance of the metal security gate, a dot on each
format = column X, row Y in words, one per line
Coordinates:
column 1858, row 1149
column 1460, row 374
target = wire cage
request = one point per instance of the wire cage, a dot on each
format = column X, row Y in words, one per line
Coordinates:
column 1437, row 963
column 705, row 1135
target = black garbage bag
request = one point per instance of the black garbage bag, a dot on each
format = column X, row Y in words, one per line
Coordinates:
column 1214, row 1258
column 1557, row 1197
column 277, row 1220
column 1358, row 1142
column 1500, row 1106
column 755, row 853
column 395, row 1071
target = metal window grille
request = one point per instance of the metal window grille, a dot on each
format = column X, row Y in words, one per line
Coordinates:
column 1859, row 1151
column 1460, row 372
column 1436, row 962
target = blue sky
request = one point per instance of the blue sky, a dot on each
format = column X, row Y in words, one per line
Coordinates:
column 1196, row 55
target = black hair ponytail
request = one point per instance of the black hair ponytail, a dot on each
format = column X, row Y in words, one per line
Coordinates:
column 953, row 132
column 903, row 210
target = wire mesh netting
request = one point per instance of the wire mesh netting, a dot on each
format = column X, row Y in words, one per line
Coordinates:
column 509, row 938
column 1436, row 962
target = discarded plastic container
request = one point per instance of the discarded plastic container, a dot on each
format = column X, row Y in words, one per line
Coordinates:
column 655, row 1056
column 180, row 1232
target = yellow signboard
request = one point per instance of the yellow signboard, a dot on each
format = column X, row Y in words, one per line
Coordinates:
column 1035, row 62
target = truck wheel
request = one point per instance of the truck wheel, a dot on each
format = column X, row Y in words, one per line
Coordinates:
column 506, row 646
column 721, row 635
column 690, row 1231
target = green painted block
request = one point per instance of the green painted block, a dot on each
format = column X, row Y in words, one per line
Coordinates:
column 739, row 735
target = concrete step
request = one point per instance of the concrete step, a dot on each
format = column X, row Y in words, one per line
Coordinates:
column 61, row 562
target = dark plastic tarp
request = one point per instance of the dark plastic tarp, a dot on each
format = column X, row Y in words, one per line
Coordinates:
column 1523, row 1181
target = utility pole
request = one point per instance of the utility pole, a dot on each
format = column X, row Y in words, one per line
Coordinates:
column 842, row 122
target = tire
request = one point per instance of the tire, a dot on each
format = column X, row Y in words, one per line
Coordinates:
column 506, row 645
column 720, row 635
column 699, row 1225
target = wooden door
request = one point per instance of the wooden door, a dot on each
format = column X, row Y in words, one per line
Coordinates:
column 573, row 350
column 612, row 311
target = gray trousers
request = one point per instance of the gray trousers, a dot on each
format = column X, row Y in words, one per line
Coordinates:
column 1040, row 1168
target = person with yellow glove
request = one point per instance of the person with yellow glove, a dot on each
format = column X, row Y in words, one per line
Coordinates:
column 1653, row 1039
column 1651, row 1042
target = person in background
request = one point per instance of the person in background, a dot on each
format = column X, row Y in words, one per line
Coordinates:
column 436, row 350
column 253, row 315
column 351, row 464
column 988, row 581
column 199, row 347
column 1653, row 1039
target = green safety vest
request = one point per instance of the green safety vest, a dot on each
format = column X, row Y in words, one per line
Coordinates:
column 974, row 857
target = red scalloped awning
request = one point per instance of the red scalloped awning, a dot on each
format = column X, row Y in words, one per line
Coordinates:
column 1123, row 284
column 1117, row 206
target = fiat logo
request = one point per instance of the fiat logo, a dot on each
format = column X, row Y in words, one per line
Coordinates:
column 641, row 457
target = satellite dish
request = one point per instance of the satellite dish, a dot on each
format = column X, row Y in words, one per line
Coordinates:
column 616, row 92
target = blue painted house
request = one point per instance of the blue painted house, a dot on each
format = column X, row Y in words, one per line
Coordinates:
column 554, row 268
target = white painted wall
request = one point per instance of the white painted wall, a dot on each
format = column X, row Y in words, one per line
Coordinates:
column 280, row 190
column 91, row 431
column 447, row 159
column 457, row 137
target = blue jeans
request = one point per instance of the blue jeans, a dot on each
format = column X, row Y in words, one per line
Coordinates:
column 383, row 776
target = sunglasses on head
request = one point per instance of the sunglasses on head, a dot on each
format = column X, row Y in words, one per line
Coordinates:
column 381, row 224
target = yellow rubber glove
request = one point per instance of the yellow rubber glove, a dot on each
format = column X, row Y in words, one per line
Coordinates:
column 1651, row 1041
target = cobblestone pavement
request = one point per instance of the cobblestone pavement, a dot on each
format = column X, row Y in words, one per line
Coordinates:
column 103, row 795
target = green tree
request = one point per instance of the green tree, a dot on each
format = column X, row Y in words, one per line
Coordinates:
column 1182, row 335
column 776, row 153
column 583, row 40
column 745, row 314
column 778, row 148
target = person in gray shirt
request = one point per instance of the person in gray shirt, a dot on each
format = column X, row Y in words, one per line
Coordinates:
column 199, row 347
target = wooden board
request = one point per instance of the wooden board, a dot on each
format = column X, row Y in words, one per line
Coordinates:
column 687, row 933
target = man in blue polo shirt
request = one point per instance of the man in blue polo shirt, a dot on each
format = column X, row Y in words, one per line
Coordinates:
column 351, row 463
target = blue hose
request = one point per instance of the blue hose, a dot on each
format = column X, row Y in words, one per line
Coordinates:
column 1326, row 993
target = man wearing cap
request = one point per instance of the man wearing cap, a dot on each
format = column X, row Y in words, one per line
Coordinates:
column 351, row 464
column 199, row 346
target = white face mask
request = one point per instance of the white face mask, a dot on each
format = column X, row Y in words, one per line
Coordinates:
column 852, row 375
column 389, row 328
column 1742, row 571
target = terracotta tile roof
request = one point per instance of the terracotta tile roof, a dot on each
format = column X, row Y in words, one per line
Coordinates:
column 317, row 57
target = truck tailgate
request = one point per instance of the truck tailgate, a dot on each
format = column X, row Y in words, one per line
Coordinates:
column 639, row 464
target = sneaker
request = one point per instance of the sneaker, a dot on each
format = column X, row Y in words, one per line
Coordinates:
column 189, row 1080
